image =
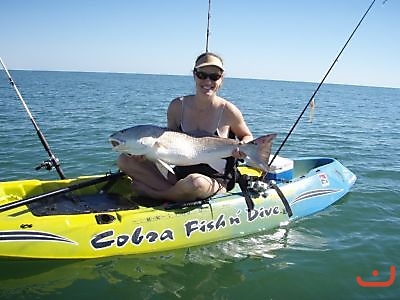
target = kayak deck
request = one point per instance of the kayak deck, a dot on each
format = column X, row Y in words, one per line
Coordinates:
column 96, row 199
column 107, row 219
column 73, row 204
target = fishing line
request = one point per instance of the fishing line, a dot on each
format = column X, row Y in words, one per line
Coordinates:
column 319, row 85
column 53, row 161
column 208, row 24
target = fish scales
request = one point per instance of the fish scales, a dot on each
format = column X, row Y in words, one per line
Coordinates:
column 162, row 145
column 196, row 145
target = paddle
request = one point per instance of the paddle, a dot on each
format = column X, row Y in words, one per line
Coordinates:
column 73, row 187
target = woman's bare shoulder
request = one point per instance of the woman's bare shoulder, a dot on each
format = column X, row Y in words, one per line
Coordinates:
column 177, row 102
column 232, row 109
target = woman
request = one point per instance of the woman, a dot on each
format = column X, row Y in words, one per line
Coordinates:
column 201, row 114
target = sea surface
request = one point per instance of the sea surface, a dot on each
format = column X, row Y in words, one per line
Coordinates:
column 318, row 257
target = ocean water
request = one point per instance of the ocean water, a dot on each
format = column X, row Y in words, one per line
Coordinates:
column 318, row 257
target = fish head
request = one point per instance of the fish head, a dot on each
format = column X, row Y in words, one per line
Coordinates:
column 118, row 142
column 136, row 140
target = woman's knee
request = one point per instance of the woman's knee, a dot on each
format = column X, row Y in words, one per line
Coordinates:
column 129, row 163
column 195, row 182
column 201, row 185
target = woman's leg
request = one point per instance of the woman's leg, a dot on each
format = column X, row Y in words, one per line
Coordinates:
column 192, row 187
column 148, row 181
column 143, row 171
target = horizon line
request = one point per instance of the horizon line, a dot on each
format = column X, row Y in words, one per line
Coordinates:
column 188, row 75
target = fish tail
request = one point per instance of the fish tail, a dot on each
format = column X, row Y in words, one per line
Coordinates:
column 260, row 157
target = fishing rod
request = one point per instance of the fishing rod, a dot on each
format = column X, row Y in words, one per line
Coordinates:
column 208, row 24
column 53, row 161
column 110, row 178
column 319, row 85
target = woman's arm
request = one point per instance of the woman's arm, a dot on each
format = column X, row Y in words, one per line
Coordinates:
column 238, row 125
column 174, row 114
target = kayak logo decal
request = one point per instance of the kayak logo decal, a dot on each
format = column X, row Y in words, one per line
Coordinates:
column 204, row 226
column 140, row 236
column 33, row 236
column 314, row 193
column 107, row 238
column 324, row 179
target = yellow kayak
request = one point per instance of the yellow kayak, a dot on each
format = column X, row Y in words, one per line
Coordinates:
column 98, row 216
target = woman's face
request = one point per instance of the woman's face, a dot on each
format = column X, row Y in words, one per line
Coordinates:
column 208, row 80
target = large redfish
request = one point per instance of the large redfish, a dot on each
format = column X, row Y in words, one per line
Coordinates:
column 169, row 147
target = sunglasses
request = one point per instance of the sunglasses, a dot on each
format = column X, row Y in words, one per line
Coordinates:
column 203, row 75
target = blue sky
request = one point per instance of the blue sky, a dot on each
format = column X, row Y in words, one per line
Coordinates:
column 278, row 40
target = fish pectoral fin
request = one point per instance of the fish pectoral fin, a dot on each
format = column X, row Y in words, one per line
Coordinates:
column 163, row 167
column 218, row 165
column 159, row 146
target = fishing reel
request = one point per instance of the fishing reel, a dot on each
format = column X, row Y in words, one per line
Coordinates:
column 47, row 164
column 51, row 163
